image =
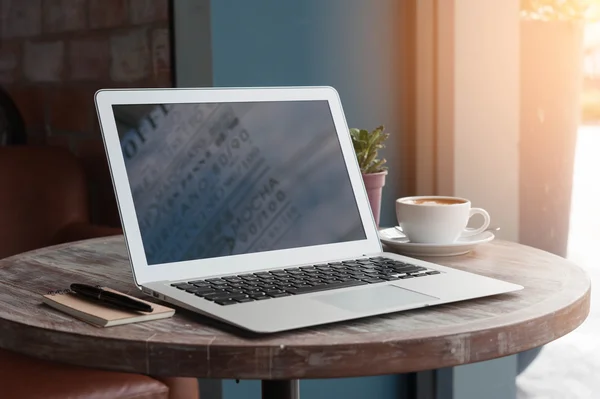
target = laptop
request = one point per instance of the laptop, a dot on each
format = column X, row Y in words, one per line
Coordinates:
column 247, row 205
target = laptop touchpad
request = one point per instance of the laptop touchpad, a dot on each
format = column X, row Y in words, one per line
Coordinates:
column 374, row 298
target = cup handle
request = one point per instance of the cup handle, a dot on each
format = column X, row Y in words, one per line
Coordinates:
column 486, row 222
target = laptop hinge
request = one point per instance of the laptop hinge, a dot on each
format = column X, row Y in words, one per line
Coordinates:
column 146, row 290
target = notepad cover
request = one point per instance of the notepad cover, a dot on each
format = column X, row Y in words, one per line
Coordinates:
column 99, row 314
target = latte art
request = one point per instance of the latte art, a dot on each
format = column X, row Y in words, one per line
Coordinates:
column 434, row 201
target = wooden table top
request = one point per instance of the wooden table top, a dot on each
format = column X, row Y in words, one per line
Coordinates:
column 554, row 302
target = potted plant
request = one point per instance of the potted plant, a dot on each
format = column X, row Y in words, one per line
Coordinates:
column 366, row 146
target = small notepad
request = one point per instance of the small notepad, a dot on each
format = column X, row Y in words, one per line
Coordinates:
column 102, row 315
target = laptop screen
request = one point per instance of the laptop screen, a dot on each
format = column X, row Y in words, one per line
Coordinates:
column 211, row 180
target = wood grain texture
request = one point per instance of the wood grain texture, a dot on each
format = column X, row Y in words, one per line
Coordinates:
column 554, row 302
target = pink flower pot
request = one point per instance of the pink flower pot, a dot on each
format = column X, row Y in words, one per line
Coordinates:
column 374, row 183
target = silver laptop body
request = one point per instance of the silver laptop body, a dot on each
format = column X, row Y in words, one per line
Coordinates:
column 247, row 205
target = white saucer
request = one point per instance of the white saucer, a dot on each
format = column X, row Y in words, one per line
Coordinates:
column 398, row 242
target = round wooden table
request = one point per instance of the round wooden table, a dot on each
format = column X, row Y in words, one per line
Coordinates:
column 555, row 301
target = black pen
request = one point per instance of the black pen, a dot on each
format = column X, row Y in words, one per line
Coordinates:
column 112, row 298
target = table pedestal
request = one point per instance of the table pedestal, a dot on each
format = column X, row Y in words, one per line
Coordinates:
column 280, row 389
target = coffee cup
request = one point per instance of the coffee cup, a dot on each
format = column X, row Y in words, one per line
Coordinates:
column 437, row 219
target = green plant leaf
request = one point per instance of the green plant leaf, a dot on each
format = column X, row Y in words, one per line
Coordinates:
column 366, row 145
column 377, row 166
column 370, row 158
column 374, row 137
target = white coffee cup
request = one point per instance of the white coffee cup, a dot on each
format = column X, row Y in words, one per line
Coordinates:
column 437, row 219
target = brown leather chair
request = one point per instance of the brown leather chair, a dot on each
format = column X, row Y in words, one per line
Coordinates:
column 44, row 201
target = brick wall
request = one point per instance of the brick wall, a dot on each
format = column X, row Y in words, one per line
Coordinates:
column 54, row 54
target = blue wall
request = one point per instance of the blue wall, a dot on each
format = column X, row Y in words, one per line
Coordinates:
column 381, row 387
column 339, row 43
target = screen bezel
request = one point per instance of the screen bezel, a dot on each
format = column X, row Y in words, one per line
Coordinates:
column 241, row 263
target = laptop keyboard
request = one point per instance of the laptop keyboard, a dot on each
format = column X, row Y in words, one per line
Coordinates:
column 230, row 290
